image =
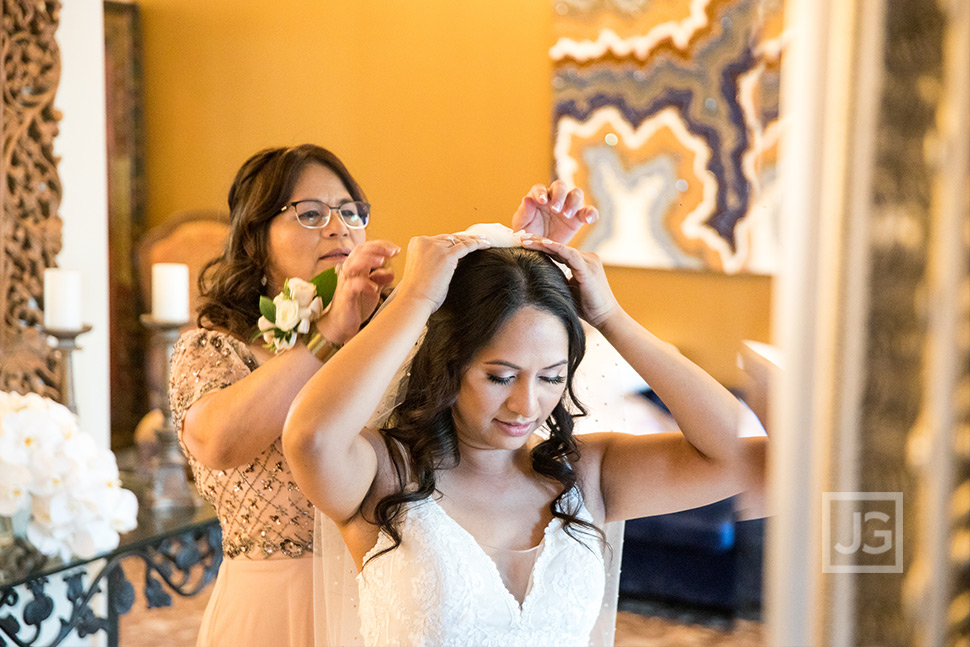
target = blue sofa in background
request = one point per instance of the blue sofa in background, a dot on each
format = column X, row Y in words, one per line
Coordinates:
column 701, row 557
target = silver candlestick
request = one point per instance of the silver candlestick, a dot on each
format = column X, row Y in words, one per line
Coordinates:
column 66, row 345
column 170, row 486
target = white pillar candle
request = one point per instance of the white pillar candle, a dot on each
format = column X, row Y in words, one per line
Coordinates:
column 62, row 299
column 170, row 292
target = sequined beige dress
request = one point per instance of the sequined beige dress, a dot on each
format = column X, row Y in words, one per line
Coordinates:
column 264, row 591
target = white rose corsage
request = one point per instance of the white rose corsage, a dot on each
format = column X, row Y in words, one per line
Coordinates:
column 291, row 312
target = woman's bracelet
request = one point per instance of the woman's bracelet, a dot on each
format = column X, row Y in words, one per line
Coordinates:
column 321, row 347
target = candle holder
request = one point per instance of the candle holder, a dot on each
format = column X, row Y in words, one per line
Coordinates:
column 170, row 486
column 66, row 345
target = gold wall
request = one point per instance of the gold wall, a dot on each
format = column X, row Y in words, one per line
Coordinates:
column 441, row 109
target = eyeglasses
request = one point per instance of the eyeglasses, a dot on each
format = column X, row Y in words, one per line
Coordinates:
column 314, row 214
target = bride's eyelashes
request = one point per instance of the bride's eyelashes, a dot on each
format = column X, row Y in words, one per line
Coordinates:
column 558, row 379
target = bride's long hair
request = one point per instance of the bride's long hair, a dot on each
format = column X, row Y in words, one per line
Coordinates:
column 488, row 287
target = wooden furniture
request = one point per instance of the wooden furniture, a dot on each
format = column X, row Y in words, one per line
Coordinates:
column 190, row 237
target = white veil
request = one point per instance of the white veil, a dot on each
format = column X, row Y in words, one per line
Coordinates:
column 335, row 609
column 602, row 383
column 336, row 619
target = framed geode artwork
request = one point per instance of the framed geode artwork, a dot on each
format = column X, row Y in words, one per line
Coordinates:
column 666, row 114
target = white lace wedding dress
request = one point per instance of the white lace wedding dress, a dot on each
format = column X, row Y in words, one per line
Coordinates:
column 440, row 587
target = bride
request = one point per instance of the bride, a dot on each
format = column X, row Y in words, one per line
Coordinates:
column 474, row 515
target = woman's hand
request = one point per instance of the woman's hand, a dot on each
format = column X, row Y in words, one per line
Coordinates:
column 588, row 283
column 431, row 263
column 555, row 212
column 360, row 280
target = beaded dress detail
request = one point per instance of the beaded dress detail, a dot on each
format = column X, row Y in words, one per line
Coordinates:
column 262, row 511
column 439, row 587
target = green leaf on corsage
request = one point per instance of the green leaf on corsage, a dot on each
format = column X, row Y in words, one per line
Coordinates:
column 267, row 308
column 326, row 284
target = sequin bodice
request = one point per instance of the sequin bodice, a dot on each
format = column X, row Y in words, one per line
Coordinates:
column 263, row 513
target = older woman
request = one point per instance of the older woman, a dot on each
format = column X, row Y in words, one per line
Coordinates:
column 294, row 212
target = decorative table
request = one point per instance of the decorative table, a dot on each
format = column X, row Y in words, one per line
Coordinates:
column 181, row 549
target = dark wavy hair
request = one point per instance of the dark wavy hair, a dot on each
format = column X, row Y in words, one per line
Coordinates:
column 231, row 284
column 488, row 287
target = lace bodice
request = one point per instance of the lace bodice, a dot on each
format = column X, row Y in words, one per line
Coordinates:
column 263, row 513
column 439, row 587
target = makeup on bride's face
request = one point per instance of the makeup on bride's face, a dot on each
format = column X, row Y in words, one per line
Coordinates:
column 513, row 384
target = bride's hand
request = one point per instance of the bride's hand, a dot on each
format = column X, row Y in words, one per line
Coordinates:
column 431, row 263
column 556, row 212
column 360, row 280
column 588, row 283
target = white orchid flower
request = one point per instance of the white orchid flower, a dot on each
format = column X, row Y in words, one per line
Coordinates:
column 92, row 539
column 25, row 432
column 56, row 510
column 48, row 479
column 91, row 478
column 41, row 537
column 15, row 497
column 70, row 485
column 14, row 441
column 78, row 448
column 122, row 512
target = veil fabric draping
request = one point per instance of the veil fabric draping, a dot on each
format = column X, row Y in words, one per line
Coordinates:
column 336, row 619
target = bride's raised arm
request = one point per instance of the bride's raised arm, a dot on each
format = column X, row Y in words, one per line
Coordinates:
column 332, row 462
column 642, row 475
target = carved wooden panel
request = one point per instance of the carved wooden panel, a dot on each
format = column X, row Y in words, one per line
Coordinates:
column 30, row 191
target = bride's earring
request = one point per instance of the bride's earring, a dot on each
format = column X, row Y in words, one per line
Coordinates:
column 263, row 281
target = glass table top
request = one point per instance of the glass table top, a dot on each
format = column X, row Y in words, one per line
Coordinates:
column 153, row 526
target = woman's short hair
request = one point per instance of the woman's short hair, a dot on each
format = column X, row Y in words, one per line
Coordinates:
column 230, row 285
